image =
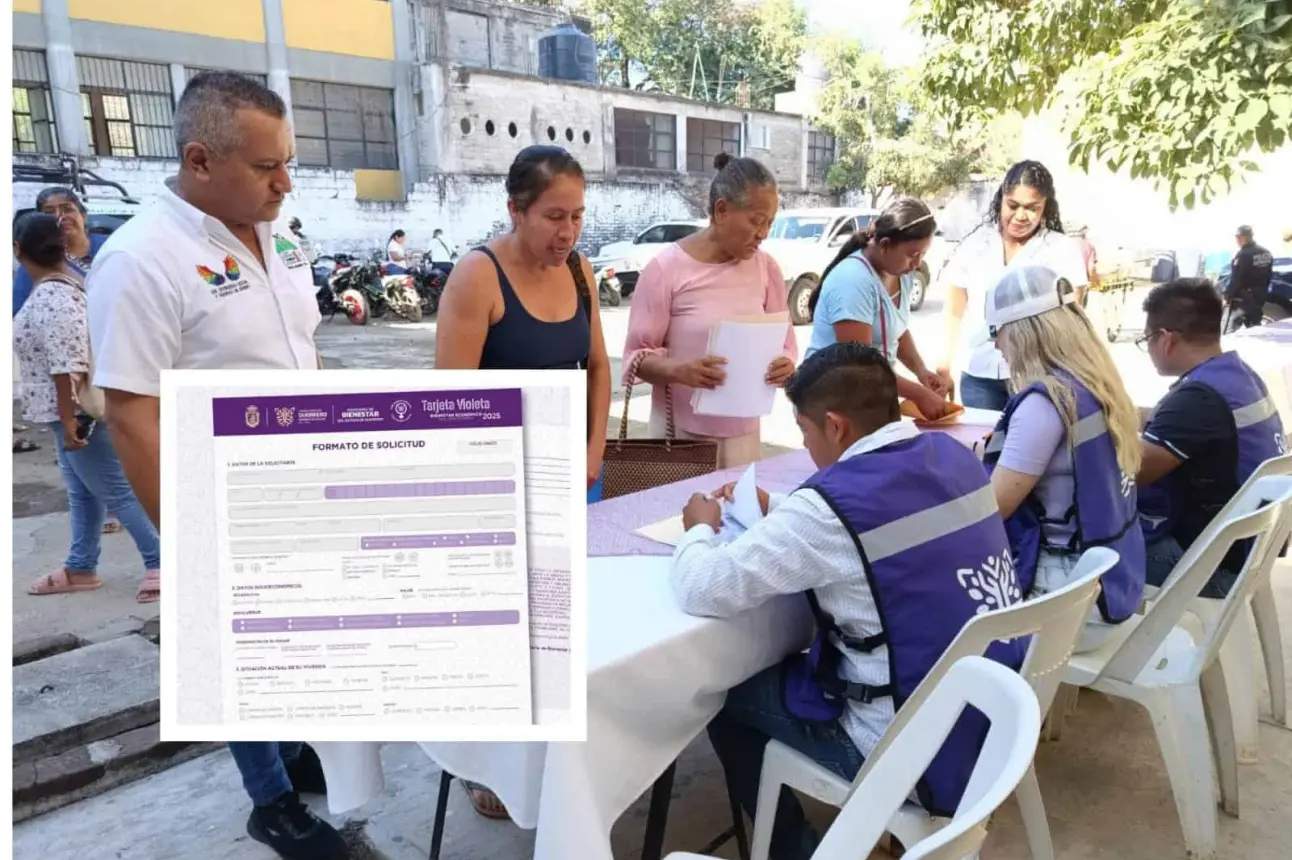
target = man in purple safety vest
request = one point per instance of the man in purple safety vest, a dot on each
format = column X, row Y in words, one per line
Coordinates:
column 890, row 576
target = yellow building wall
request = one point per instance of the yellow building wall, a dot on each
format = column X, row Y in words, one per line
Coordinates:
column 228, row 19
column 387, row 185
column 31, row 6
column 358, row 28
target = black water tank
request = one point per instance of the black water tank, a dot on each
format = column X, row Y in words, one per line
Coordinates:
column 568, row 54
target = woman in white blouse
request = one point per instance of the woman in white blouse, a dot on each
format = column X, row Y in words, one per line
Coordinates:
column 52, row 340
column 396, row 256
column 1022, row 228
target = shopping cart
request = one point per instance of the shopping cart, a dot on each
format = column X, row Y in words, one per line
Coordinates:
column 1114, row 291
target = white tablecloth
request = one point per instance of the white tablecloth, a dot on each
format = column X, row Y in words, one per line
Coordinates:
column 656, row 676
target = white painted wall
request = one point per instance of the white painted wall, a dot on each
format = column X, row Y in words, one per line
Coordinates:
column 470, row 208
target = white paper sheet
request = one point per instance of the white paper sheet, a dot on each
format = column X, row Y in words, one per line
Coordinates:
column 738, row 515
column 749, row 344
column 362, row 530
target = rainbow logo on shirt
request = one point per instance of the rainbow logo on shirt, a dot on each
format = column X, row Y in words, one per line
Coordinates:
column 212, row 278
column 231, row 272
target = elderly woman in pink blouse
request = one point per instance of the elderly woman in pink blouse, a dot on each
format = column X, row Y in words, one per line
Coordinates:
column 715, row 274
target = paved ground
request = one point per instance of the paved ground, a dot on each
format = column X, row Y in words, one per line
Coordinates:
column 1104, row 784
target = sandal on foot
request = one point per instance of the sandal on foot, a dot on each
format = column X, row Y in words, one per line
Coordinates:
column 487, row 804
column 24, row 446
column 61, row 582
column 150, row 589
column 111, row 527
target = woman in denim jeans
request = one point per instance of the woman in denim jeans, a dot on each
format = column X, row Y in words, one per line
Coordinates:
column 52, row 341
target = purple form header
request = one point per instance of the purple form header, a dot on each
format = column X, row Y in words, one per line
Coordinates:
column 371, row 411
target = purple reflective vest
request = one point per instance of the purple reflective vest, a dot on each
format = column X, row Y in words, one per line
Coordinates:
column 925, row 523
column 1105, row 507
column 1256, row 423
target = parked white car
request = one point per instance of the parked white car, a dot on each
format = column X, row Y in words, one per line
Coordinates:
column 627, row 259
column 805, row 241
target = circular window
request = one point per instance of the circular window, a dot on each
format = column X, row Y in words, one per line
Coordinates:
column 466, row 125
column 511, row 129
column 489, row 129
column 551, row 133
column 569, row 134
column 587, row 137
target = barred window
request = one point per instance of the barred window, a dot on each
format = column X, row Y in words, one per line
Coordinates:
column 344, row 127
column 33, row 107
column 820, row 155
column 647, row 140
column 705, row 139
column 129, row 108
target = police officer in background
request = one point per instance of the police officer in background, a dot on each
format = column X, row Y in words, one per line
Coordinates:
column 1249, row 284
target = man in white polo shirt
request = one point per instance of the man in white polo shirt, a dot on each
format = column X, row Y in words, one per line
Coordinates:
column 201, row 281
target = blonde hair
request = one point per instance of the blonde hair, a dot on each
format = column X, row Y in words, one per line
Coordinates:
column 1064, row 340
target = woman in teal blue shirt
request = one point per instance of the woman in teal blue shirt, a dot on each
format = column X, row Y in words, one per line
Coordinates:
column 865, row 298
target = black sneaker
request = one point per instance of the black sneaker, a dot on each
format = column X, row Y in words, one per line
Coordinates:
column 306, row 772
column 288, row 827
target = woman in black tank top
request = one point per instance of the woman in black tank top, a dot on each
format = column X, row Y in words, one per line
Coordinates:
column 523, row 302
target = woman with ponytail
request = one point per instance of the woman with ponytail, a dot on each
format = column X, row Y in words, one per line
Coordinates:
column 865, row 297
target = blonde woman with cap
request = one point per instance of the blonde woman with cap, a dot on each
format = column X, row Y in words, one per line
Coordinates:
column 1064, row 456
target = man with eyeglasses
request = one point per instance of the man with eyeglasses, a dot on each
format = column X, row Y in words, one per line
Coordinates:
column 1205, row 437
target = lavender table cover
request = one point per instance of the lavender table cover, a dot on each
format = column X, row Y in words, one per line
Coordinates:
column 613, row 524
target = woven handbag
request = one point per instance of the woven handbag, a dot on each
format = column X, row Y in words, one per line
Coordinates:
column 633, row 465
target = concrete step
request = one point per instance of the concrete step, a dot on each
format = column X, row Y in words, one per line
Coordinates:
column 55, row 781
column 89, row 694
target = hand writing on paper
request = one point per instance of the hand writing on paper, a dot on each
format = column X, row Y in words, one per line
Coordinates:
column 727, row 493
column 780, row 370
column 702, row 509
column 704, row 372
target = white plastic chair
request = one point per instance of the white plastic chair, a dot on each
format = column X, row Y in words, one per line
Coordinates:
column 1055, row 621
column 1236, row 650
column 1011, row 707
column 1153, row 661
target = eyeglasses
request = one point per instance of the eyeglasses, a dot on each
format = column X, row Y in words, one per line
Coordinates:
column 1144, row 340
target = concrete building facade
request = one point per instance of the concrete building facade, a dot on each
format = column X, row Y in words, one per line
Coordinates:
column 407, row 113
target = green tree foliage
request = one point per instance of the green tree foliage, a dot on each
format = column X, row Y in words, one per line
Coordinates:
column 891, row 137
column 1179, row 91
column 716, row 50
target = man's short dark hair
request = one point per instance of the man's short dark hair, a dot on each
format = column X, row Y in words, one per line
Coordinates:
column 849, row 379
column 205, row 111
column 1190, row 307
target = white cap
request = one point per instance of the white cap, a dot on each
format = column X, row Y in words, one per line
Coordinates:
column 1026, row 291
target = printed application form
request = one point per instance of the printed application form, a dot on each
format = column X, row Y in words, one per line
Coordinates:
column 372, row 559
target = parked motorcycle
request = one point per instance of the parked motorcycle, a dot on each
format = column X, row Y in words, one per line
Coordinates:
column 609, row 290
column 365, row 293
column 329, row 302
column 428, row 281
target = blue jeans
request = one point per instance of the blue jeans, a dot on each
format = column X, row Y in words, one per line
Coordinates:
column 754, row 714
column 263, row 768
column 1161, row 557
column 395, row 269
column 979, row 393
column 96, row 484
